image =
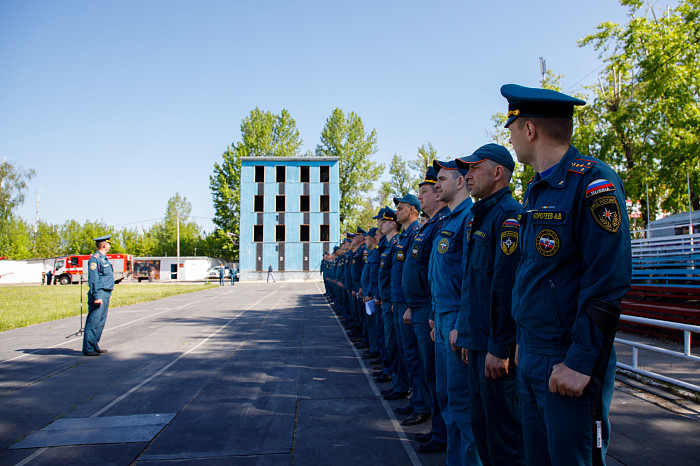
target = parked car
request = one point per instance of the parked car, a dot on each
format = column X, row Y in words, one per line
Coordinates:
column 214, row 273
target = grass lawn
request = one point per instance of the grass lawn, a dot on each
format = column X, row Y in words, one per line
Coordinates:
column 21, row 306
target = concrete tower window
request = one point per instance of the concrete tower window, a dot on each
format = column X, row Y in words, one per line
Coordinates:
column 304, row 203
column 304, row 233
column 259, row 204
column 280, row 173
column 258, row 233
column 259, row 174
column 304, row 174
column 280, row 203
column 325, row 203
column 325, row 232
column 325, row 172
column 279, row 233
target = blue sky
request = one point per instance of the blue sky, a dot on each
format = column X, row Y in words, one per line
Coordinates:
column 119, row 105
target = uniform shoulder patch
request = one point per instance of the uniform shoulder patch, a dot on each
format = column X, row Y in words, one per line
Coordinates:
column 581, row 166
column 509, row 242
column 606, row 212
column 93, row 265
column 599, row 186
column 511, row 223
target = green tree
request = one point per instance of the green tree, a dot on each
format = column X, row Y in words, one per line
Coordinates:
column 645, row 112
column 140, row 244
column 424, row 160
column 262, row 134
column 344, row 136
column 401, row 180
column 48, row 240
column 165, row 233
column 79, row 238
column 15, row 239
column 13, row 184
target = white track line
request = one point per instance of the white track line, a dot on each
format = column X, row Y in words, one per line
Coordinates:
column 394, row 422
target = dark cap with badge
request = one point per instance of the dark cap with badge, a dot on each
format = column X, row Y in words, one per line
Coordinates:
column 380, row 214
column 389, row 214
column 430, row 177
column 103, row 238
column 372, row 232
column 360, row 231
column 536, row 102
column 408, row 199
column 449, row 165
column 495, row 152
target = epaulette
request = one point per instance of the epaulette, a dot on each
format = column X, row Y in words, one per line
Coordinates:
column 530, row 181
column 581, row 166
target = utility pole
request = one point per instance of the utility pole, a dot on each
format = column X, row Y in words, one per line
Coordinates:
column 177, row 214
column 543, row 68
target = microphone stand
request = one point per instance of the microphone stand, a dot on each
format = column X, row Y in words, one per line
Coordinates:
column 79, row 332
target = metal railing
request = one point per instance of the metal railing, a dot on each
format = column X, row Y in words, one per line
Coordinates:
column 636, row 346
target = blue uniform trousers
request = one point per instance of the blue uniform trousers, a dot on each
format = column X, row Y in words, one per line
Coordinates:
column 426, row 347
column 452, row 381
column 495, row 413
column 95, row 323
column 420, row 398
column 399, row 383
column 371, row 328
column 558, row 429
column 383, row 355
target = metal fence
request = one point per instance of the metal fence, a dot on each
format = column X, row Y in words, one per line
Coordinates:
column 636, row 346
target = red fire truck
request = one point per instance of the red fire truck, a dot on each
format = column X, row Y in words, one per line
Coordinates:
column 69, row 269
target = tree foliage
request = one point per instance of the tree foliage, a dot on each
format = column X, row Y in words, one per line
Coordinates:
column 165, row 233
column 344, row 136
column 645, row 113
column 263, row 134
column 13, row 184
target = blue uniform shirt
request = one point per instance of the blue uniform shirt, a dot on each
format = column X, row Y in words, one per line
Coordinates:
column 364, row 281
column 374, row 269
column 416, row 287
column 358, row 264
column 401, row 251
column 575, row 245
column 100, row 276
column 446, row 267
column 485, row 321
column 385, row 260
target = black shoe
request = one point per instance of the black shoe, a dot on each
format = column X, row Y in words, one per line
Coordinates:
column 383, row 378
column 362, row 345
column 424, row 437
column 377, row 373
column 376, row 361
column 386, row 391
column 396, row 396
column 404, row 410
column 371, row 355
column 100, row 350
column 431, row 447
column 415, row 419
column 91, row 353
column 368, row 356
column 377, row 367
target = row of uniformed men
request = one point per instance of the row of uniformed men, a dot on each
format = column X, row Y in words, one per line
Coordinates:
column 497, row 317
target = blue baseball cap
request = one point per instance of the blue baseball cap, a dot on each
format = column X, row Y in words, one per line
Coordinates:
column 449, row 165
column 430, row 177
column 537, row 102
column 495, row 152
column 408, row 199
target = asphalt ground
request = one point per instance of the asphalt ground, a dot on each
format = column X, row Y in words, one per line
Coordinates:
column 248, row 374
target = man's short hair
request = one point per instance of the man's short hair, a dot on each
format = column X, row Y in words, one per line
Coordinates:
column 557, row 129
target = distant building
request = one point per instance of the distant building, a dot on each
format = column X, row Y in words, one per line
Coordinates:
column 290, row 215
column 674, row 225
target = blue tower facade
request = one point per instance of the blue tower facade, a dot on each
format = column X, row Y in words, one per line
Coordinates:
column 290, row 215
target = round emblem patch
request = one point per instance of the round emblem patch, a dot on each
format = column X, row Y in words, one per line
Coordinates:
column 443, row 245
column 381, row 264
column 547, row 242
column 415, row 251
column 399, row 255
column 93, row 266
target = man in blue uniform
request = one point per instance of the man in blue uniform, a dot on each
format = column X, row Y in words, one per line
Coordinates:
column 356, row 267
column 485, row 325
column 407, row 213
column 419, row 302
column 575, row 269
column 367, row 294
column 445, row 273
column 100, row 286
column 400, row 382
column 386, row 369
